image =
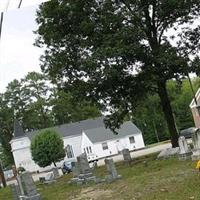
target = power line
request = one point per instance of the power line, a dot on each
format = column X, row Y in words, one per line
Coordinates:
column 1, row 23
column 20, row 3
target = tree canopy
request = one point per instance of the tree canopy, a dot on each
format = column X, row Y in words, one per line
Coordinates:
column 116, row 52
column 47, row 147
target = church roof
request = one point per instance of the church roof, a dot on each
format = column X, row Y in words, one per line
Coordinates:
column 102, row 134
column 93, row 128
column 73, row 129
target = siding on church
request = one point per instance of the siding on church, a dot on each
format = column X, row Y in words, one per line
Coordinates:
column 115, row 146
column 75, row 143
column 22, row 155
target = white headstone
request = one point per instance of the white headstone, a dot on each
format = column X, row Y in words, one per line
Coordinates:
column 196, row 145
column 183, row 145
column 184, row 152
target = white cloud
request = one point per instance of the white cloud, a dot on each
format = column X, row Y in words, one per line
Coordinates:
column 6, row 5
column 18, row 56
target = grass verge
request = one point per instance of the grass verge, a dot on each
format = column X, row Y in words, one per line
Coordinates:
column 146, row 179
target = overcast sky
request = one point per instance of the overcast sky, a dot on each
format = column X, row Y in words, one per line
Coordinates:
column 18, row 56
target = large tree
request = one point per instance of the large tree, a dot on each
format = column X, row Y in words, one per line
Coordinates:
column 104, row 41
column 37, row 91
column 115, row 51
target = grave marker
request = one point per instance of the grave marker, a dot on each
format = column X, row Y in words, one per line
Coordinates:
column 126, row 155
column 196, row 144
column 113, row 175
column 185, row 152
column 27, row 187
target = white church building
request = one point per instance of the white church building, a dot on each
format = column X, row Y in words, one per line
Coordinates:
column 89, row 136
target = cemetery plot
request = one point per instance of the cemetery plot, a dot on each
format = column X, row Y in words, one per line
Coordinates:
column 146, row 179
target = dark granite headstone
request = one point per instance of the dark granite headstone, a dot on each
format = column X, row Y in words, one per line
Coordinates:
column 82, row 173
column 113, row 175
column 27, row 187
column 126, row 155
column 75, row 169
column 83, row 164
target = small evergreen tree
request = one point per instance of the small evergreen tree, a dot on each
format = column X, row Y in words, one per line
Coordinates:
column 47, row 147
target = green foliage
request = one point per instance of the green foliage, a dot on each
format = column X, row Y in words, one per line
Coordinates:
column 181, row 97
column 6, row 130
column 68, row 109
column 47, row 147
column 116, row 52
column 149, row 118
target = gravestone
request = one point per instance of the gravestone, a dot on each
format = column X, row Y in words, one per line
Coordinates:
column 113, row 175
column 196, row 145
column 82, row 173
column 55, row 173
column 49, row 178
column 75, row 169
column 126, row 155
column 84, row 164
column 185, row 152
column 27, row 187
column 15, row 191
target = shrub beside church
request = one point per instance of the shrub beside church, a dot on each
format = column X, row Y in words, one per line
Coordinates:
column 47, row 147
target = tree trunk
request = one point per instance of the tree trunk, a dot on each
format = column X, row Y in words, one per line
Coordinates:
column 155, row 131
column 2, row 177
column 166, row 106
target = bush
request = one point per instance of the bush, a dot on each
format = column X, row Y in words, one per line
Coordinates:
column 47, row 147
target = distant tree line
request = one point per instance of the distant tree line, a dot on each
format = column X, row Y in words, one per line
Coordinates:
column 38, row 104
column 149, row 117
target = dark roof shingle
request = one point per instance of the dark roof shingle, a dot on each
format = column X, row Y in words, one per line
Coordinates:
column 93, row 128
column 72, row 129
column 102, row 134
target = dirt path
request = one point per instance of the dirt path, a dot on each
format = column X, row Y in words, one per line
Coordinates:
column 92, row 193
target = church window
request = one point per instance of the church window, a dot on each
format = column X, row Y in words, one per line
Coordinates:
column 69, row 151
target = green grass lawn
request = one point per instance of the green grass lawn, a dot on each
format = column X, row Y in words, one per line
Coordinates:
column 157, row 179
